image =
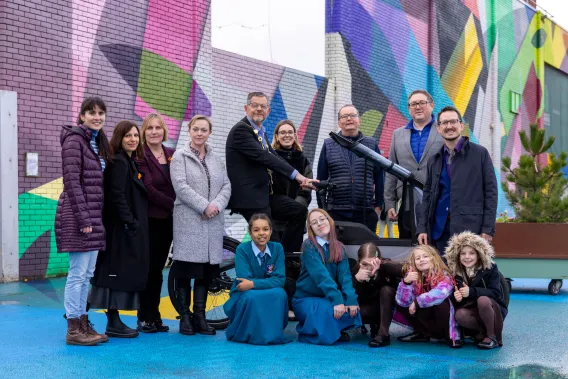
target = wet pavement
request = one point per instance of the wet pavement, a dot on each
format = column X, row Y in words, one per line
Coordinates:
column 32, row 335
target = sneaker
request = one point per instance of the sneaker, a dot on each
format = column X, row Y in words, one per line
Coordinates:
column 146, row 327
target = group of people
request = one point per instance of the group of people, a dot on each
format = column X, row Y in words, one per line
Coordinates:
column 122, row 205
column 125, row 201
column 441, row 302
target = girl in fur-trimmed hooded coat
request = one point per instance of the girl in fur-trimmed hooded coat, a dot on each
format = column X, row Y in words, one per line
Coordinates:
column 478, row 293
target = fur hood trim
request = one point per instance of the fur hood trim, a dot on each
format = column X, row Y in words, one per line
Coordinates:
column 478, row 243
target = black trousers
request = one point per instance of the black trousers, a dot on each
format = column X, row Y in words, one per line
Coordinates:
column 161, row 235
column 286, row 209
column 370, row 220
column 432, row 322
column 404, row 225
column 442, row 241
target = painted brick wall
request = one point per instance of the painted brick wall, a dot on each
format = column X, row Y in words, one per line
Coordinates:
column 140, row 56
column 144, row 56
column 470, row 54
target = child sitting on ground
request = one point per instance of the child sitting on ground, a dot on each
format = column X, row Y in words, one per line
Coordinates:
column 478, row 295
column 375, row 280
column 423, row 295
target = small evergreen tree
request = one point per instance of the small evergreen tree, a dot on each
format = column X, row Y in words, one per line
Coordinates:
column 539, row 192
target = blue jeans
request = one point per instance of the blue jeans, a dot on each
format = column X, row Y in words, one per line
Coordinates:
column 81, row 270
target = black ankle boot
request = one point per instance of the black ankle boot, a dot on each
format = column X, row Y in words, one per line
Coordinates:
column 200, row 299
column 185, row 324
column 116, row 328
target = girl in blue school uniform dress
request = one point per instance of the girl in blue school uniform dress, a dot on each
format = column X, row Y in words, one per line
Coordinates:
column 325, row 302
column 258, row 306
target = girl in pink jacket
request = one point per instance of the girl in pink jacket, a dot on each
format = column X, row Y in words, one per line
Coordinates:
column 423, row 298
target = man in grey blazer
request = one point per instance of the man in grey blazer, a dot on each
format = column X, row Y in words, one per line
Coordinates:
column 411, row 147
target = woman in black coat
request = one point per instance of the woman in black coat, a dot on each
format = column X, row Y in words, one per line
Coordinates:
column 285, row 142
column 122, row 268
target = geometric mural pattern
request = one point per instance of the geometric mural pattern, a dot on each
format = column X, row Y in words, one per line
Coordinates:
column 472, row 54
column 140, row 56
column 146, row 56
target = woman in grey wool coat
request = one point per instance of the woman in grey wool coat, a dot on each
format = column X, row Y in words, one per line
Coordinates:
column 202, row 191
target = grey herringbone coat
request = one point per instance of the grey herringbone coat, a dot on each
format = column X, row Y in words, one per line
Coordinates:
column 197, row 239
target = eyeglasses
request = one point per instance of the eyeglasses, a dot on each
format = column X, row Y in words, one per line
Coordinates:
column 321, row 220
column 419, row 104
column 346, row 116
column 261, row 106
column 286, row 133
column 450, row 122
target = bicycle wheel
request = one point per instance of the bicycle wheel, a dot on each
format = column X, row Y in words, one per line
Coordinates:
column 218, row 289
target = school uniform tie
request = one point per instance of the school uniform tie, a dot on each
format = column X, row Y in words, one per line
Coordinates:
column 262, row 258
column 326, row 249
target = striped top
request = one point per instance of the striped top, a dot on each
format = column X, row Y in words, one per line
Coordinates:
column 94, row 146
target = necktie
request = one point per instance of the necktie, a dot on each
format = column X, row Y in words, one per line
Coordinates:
column 451, row 156
column 262, row 257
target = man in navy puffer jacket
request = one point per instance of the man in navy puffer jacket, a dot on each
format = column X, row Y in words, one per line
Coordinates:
column 358, row 196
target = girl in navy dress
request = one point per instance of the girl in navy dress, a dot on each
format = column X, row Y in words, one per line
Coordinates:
column 258, row 306
column 478, row 295
column 325, row 302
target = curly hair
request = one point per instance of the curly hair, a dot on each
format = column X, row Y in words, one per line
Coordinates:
column 437, row 273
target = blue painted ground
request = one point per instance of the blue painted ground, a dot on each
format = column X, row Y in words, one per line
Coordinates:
column 32, row 345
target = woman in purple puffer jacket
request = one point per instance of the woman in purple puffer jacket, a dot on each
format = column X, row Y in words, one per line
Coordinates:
column 79, row 228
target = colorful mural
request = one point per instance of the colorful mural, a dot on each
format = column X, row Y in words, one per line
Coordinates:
column 477, row 55
column 486, row 57
column 158, row 58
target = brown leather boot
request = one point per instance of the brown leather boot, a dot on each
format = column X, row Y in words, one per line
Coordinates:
column 88, row 327
column 77, row 336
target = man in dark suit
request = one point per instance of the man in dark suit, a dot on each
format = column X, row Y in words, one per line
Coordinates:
column 250, row 163
column 461, row 188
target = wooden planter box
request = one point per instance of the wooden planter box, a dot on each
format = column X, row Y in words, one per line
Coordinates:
column 538, row 241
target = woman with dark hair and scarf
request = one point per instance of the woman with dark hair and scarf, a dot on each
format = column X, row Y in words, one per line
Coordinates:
column 79, row 227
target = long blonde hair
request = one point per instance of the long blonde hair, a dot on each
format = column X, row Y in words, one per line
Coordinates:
column 437, row 273
column 276, row 144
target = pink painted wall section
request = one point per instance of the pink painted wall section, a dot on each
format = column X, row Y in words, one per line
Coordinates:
column 86, row 17
column 139, row 56
column 142, row 109
column 173, row 30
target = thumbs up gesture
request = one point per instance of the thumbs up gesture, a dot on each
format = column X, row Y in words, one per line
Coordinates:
column 411, row 276
column 464, row 290
column 458, row 294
